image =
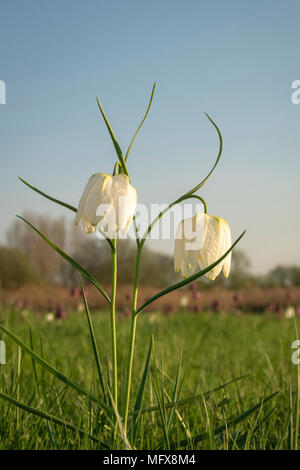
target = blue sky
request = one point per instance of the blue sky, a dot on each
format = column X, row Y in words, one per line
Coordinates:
column 235, row 60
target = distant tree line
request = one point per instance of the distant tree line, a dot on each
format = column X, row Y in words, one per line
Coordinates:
column 27, row 259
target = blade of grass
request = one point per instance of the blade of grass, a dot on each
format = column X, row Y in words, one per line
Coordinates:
column 33, row 363
column 180, row 419
column 232, row 421
column 93, row 339
column 186, row 401
column 140, row 394
column 160, row 401
column 245, row 437
column 81, row 390
column 120, row 424
column 47, row 416
column 68, row 258
column 175, row 397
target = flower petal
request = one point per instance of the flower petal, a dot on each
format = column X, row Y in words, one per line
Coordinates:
column 84, row 195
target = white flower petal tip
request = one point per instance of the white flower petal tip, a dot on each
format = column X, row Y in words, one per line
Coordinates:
column 107, row 203
column 202, row 240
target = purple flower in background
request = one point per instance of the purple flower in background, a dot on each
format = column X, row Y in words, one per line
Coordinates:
column 196, row 295
column 193, row 287
column 20, row 304
column 272, row 308
column 59, row 314
column 216, row 305
column 75, row 292
column 237, row 298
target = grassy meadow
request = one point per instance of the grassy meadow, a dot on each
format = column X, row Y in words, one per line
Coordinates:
column 191, row 354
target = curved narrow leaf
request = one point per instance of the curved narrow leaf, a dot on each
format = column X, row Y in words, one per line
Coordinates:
column 93, row 338
column 189, row 279
column 143, row 120
column 120, row 423
column 81, row 390
column 114, row 140
column 61, row 203
column 48, row 416
column 77, row 266
column 198, row 186
column 140, row 394
column 186, row 401
column 230, row 422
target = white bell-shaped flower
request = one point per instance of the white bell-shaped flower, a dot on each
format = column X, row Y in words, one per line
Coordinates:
column 202, row 240
column 108, row 203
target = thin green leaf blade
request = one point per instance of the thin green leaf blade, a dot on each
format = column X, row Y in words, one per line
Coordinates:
column 175, row 392
column 198, row 186
column 120, row 423
column 186, row 401
column 114, row 140
column 61, row 203
column 57, row 201
column 143, row 120
column 47, row 416
column 141, row 390
column 81, row 390
column 233, row 421
column 93, row 339
column 68, row 258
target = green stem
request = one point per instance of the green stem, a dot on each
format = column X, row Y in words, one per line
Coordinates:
column 113, row 321
column 132, row 336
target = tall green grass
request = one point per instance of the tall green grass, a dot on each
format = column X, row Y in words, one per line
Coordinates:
column 184, row 391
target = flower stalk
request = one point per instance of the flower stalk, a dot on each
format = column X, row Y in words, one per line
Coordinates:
column 113, row 321
column 132, row 336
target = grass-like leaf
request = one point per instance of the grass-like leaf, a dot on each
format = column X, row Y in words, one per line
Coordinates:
column 143, row 120
column 176, row 391
column 242, row 440
column 68, row 258
column 48, row 416
column 114, row 140
column 81, row 390
column 189, row 279
column 186, row 401
column 93, row 339
column 140, row 394
column 231, row 422
column 158, row 389
column 61, row 203
column 198, row 186
column 119, row 423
